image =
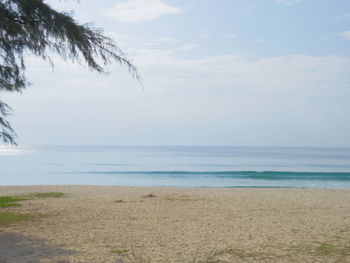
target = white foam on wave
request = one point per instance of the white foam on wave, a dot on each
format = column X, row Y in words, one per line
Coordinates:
column 15, row 150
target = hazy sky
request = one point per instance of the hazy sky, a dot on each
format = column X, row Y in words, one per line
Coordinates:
column 223, row 72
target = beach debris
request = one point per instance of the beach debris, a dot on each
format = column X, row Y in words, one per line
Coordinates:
column 120, row 251
column 149, row 196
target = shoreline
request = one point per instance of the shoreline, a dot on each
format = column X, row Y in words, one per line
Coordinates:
column 177, row 187
column 161, row 224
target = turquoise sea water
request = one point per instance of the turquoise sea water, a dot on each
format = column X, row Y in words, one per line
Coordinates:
column 176, row 166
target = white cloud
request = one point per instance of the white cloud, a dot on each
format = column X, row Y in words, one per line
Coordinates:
column 288, row 2
column 345, row 35
column 187, row 47
column 165, row 40
column 248, row 9
column 126, row 41
column 232, row 36
column 227, row 99
column 344, row 17
column 204, row 35
column 140, row 10
column 301, row 75
column 258, row 40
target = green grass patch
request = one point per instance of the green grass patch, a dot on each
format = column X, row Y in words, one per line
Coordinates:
column 9, row 204
column 11, row 201
column 8, row 201
column 44, row 195
column 8, row 218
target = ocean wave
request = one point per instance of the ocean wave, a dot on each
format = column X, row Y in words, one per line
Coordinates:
column 258, row 175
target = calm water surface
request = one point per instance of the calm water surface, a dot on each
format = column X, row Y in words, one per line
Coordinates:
column 176, row 166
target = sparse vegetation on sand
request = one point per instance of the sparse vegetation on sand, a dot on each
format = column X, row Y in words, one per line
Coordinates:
column 13, row 201
column 149, row 225
column 45, row 195
column 8, row 218
column 8, row 201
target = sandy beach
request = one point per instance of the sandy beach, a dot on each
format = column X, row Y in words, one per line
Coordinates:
column 141, row 224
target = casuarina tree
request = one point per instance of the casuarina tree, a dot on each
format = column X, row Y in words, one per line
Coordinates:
column 33, row 27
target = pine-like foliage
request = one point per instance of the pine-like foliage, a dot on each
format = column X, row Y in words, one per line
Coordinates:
column 32, row 26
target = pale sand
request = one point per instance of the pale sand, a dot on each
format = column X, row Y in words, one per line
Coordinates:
column 119, row 224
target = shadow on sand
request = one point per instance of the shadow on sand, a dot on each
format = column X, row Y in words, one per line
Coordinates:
column 17, row 248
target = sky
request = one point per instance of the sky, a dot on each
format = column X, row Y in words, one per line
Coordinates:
column 224, row 72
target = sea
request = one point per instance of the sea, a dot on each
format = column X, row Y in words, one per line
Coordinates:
column 176, row 166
